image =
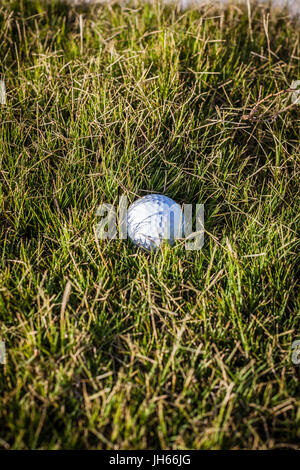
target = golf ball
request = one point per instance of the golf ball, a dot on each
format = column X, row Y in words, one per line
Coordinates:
column 154, row 219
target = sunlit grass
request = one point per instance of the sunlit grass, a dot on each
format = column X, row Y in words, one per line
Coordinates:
column 109, row 347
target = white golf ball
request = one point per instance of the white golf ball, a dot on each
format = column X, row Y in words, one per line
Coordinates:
column 154, row 219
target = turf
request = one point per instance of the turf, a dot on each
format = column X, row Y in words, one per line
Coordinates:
column 109, row 347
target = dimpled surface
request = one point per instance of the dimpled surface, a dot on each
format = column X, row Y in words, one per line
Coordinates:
column 153, row 219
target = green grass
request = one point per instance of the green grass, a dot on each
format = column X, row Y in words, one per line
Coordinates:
column 109, row 347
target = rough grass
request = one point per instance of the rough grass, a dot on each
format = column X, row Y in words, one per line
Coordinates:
column 109, row 347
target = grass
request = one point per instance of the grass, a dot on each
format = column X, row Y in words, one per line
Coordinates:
column 109, row 347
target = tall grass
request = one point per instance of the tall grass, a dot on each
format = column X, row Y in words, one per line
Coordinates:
column 107, row 346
